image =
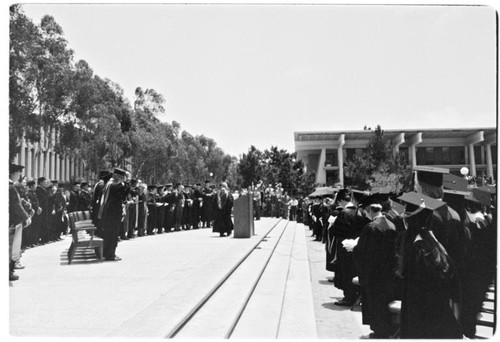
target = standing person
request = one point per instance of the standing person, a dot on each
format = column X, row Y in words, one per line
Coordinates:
column 169, row 203
column 53, row 224
column 347, row 225
column 104, row 177
column 130, row 221
column 179, row 206
column 60, row 208
column 41, row 221
column 74, row 196
column 375, row 258
column 142, row 210
column 33, row 237
column 197, row 206
column 18, row 217
column 204, row 213
column 161, row 207
column 431, row 289
column 188, row 205
column 152, row 212
column 480, row 265
column 257, row 200
column 223, row 223
column 111, row 210
column 22, row 190
column 293, row 208
column 84, row 198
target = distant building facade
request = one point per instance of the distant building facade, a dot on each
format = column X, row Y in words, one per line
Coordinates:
column 41, row 160
column 326, row 152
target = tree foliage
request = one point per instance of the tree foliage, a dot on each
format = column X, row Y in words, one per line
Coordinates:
column 275, row 166
column 91, row 118
column 378, row 166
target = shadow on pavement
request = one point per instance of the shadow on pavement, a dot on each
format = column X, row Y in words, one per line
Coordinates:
column 334, row 307
column 81, row 257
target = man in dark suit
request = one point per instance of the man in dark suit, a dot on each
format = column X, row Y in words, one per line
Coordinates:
column 74, row 195
column 104, row 177
column 84, row 197
column 110, row 213
column 197, row 197
column 18, row 218
column 41, row 221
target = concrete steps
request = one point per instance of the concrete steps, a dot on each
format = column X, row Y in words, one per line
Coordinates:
column 268, row 296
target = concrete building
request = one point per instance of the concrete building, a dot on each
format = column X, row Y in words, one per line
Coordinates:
column 41, row 160
column 326, row 152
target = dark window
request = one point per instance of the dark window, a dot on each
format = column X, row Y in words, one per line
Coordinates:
column 457, row 155
column 445, row 155
column 494, row 154
column 312, row 162
column 477, row 155
column 332, row 158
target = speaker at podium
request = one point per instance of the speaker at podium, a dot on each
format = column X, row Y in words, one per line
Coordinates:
column 243, row 216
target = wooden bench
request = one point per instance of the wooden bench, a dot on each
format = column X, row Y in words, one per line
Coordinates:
column 82, row 232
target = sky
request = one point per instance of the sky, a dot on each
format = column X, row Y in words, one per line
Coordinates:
column 254, row 74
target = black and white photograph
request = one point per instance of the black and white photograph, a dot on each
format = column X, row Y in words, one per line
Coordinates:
column 257, row 170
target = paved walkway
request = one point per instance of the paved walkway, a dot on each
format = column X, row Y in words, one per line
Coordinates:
column 159, row 281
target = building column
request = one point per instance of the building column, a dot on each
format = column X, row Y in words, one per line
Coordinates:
column 471, row 141
column 56, row 168
column 340, row 155
column 412, row 147
column 489, row 162
column 321, row 174
column 397, row 141
column 22, row 157
column 29, row 167
column 472, row 160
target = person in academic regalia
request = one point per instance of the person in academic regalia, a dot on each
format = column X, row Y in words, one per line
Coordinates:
column 142, row 208
column 179, row 206
column 110, row 213
column 206, row 192
column 160, row 208
column 431, row 288
column 74, row 195
column 224, row 201
column 375, row 258
column 188, row 205
column 347, row 225
column 480, row 266
column 34, row 236
column 104, row 177
column 40, row 221
column 152, row 209
column 170, row 203
column 130, row 221
column 84, row 198
column 197, row 206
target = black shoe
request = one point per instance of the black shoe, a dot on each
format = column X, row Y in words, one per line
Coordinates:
column 344, row 303
column 221, row 234
column 115, row 258
column 13, row 277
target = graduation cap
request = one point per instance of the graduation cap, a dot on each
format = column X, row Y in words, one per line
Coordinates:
column 376, row 196
column 54, row 181
column 76, row 183
column 422, row 202
column 168, row 185
column 431, row 175
column 133, row 181
column 119, row 171
column 343, row 195
column 207, row 181
column 480, row 196
column 41, row 180
column 13, row 168
column 103, row 174
column 31, row 183
column 84, row 183
column 455, row 185
column 151, row 187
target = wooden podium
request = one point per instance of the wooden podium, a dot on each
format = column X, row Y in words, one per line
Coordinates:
column 243, row 217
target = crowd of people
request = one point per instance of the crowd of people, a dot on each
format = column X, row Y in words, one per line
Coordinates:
column 433, row 249
column 120, row 207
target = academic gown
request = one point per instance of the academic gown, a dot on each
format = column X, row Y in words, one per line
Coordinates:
column 375, row 258
column 425, row 307
column 223, row 222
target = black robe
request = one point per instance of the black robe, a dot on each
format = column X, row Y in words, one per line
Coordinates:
column 425, row 307
column 375, row 258
column 223, row 222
